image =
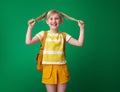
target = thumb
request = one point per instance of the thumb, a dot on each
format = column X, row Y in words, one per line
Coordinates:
column 31, row 22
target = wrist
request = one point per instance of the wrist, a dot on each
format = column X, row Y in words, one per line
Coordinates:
column 81, row 28
column 30, row 27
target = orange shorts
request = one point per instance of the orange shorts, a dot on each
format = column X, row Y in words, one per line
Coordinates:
column 55, row 74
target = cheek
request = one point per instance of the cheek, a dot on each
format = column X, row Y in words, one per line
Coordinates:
column 48, row 22
column 59, row 21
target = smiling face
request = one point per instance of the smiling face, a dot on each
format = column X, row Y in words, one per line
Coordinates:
column 54, row 20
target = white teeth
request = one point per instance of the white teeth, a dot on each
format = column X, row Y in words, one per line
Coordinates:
column 53, row 24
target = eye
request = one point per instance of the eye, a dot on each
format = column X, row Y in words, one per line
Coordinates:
column 51, row 18
column 57, row 18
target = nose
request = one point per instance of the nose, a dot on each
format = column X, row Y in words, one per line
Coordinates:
column 54, row 20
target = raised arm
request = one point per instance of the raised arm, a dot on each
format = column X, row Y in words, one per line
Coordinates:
column 29, row 39
column 80, row 41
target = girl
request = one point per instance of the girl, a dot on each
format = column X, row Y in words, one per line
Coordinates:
column 55, row 72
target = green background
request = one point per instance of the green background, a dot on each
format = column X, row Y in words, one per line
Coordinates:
column 95, row 67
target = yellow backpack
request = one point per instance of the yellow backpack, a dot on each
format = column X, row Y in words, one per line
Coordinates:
column 40, row 54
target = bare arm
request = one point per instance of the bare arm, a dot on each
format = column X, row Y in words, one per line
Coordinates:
column 29, row 39
column 80, row 40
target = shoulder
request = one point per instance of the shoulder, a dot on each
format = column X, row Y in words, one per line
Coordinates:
column 40, row 34
column 66, row 35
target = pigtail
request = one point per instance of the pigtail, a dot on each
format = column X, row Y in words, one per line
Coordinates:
column 64, row 15
column 39, row 18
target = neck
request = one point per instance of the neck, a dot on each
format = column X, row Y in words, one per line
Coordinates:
column 54, row 30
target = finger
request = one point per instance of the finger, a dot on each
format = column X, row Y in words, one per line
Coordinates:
column 31, row 21
column 81, row 22
column 78, row 21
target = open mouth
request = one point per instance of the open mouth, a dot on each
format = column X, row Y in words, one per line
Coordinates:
column 54, row 24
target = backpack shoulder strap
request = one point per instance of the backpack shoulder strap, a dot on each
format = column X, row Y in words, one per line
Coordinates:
column 64, row 36
column 43, row 40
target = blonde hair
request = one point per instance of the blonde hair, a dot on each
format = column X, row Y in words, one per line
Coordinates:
column 51, row 12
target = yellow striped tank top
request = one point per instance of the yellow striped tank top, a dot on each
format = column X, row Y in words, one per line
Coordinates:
column 54, row 47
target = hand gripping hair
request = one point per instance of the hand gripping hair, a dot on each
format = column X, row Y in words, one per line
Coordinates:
column 48, row 14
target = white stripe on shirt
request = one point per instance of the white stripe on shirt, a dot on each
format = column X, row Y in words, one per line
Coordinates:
column 51, row 40
column 52, row 52
column 50, row 62
column 54, row 34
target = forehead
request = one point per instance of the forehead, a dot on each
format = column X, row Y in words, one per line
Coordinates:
column 54, row 15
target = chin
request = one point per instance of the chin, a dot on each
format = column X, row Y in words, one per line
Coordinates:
column 54, row 28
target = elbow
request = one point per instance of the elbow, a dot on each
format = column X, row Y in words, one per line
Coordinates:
column 80, row 44
column 27, row 43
